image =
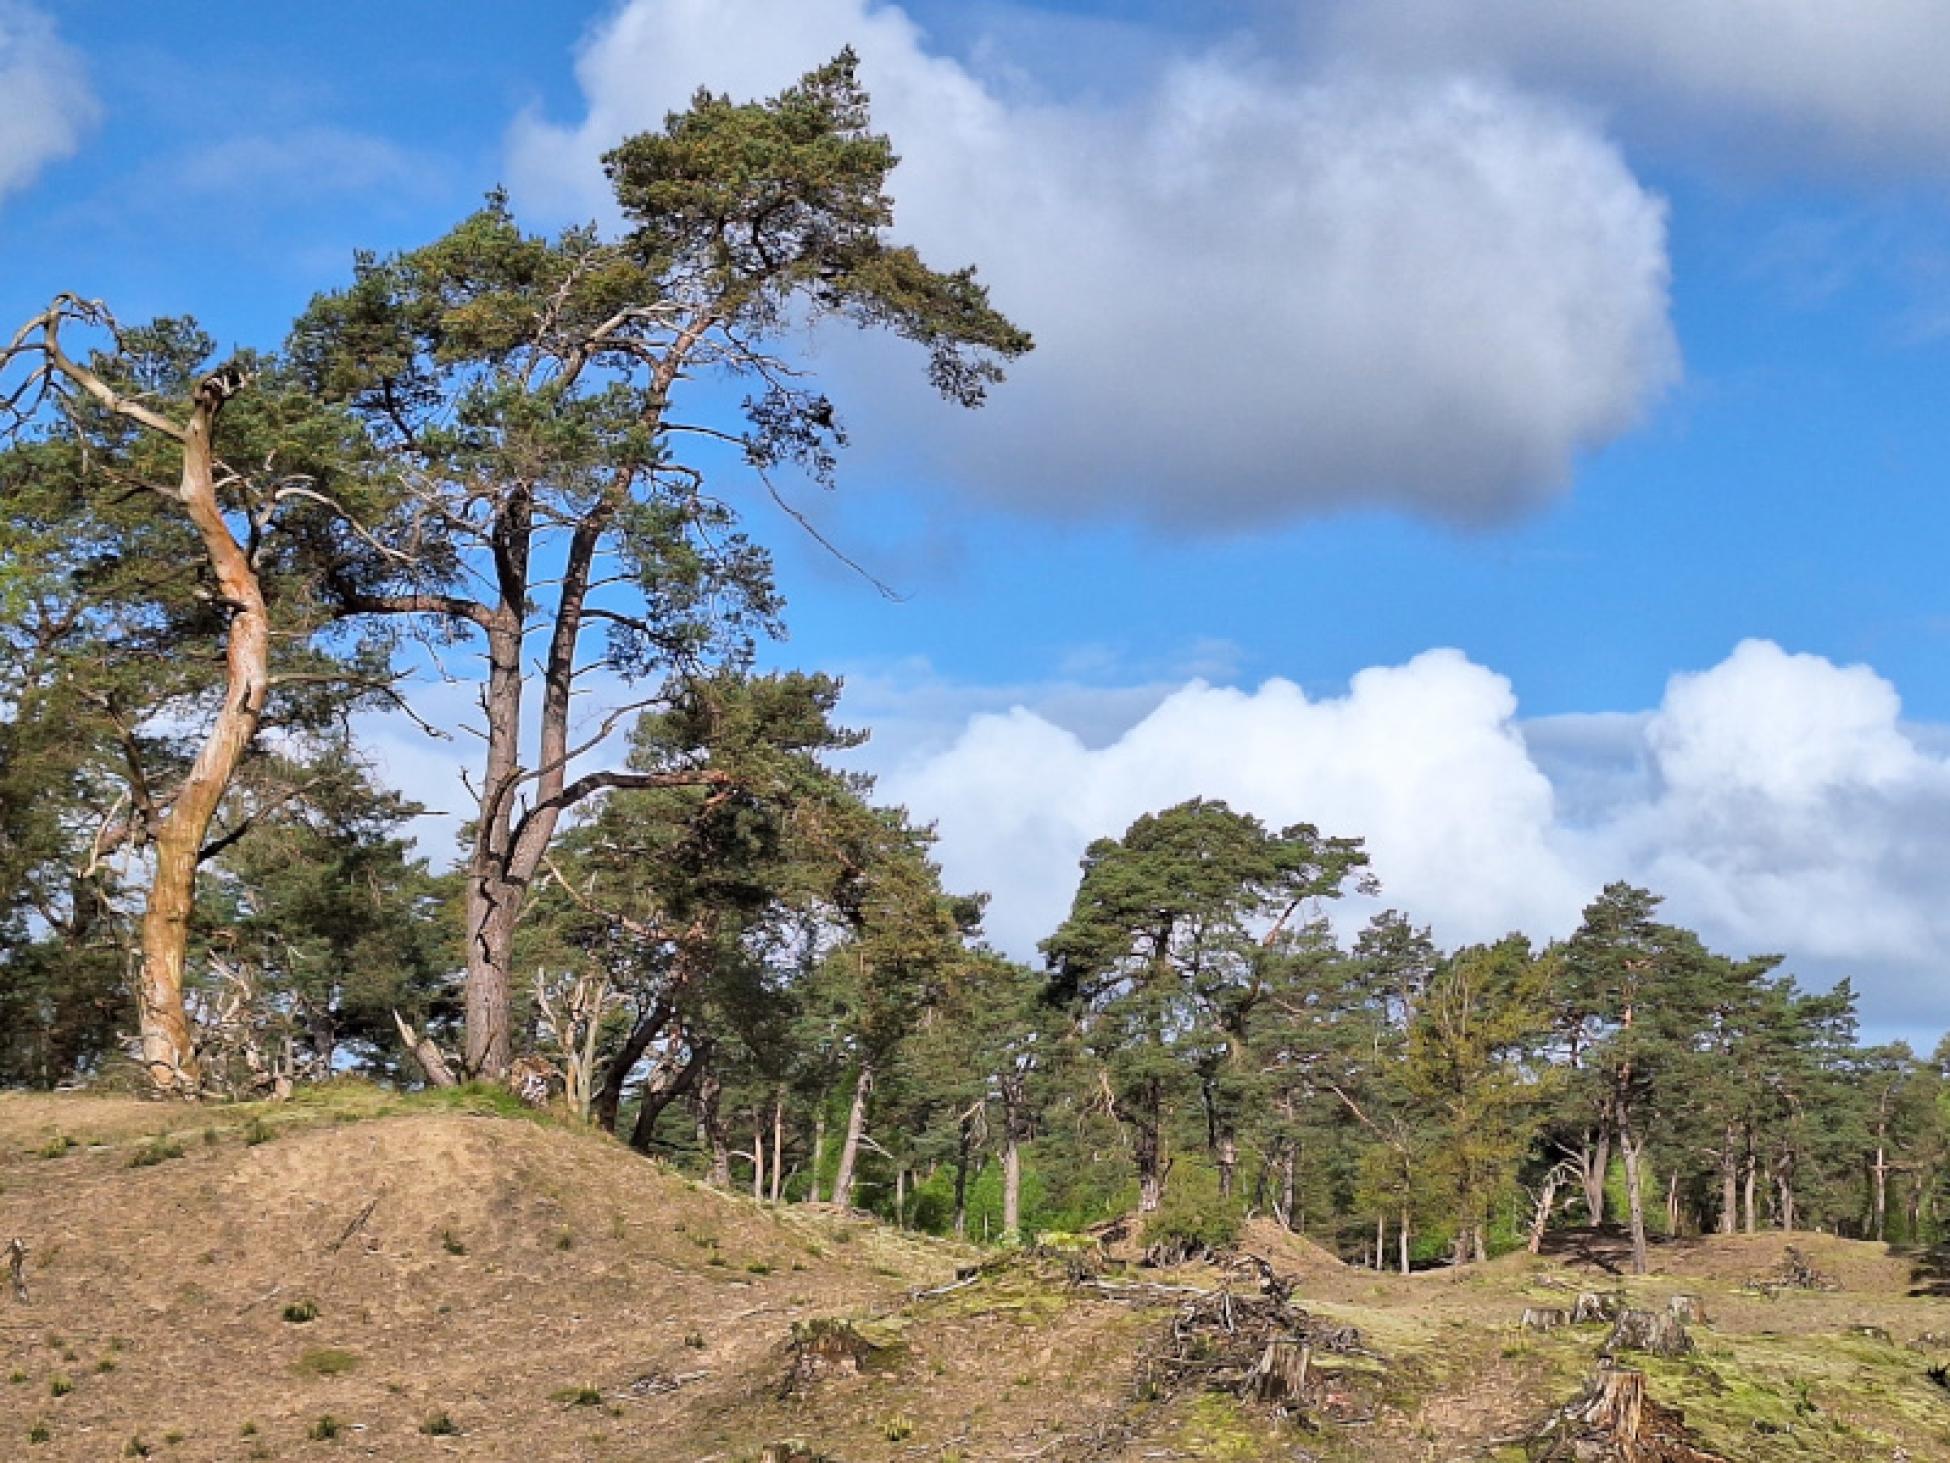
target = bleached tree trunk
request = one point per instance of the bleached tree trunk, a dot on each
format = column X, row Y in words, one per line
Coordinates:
column 1402, row 1240
column 856, row 1126
column 778, row 1144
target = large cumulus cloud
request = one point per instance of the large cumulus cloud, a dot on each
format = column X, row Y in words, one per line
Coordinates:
column 1782, row 81
column 1255, row 296
column 1777, row 800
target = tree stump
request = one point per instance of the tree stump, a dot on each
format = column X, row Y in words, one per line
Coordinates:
column 1659, row 1332
column 1614, row 1420
column 17, row 1268
column 1545, row 1318
column 827, row 1347
column 1591, row 1308
column 1279, row 1377
column 1687, row 1309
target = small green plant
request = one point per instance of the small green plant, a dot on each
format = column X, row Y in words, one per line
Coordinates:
column 210, row 1137
column 301, row 1312
column 257, row 1131
column 757, row 1267
column 55, row 1147
column 59, row 1385
column 17, row 1376
column 898, row 1428
column 105, row 1365
column 173, row 1437
column 325, row 1429
column 248, row 1430
column 440, row 1425
column 584, row 1396
column 327, row 1361
column 565, row 1241
column 450, row 1242
column 40, row 1432
column 694, row 1340
column 135, row 1448
column 719, row 1260
column 159, row 1149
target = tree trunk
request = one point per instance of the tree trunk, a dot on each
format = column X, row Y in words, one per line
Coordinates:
column 1672, row 1203
column 778, row 1143
column 819, row 1151
column 1402, row 1240
column 964, row 1141
column 669, row 1080
column 758, row 1158
column 1380, row 1242
column 856, row 1125
column 1633, row 1149
column 1747, row 1195
column 1729, row 1183
column 1881, row 1191
column 609, row 1097
column 1546, row 1201
column 168, row 1048
column 1594, row 1161
column 1228, row 1157
column 1147, row 1148
column 1011, row 1189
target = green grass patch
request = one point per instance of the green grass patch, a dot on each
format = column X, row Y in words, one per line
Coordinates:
column 326, row 1361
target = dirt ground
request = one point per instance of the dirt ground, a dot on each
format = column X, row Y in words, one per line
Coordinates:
column 356, row 1276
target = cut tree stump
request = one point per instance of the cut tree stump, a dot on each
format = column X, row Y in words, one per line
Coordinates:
column 1279, row 1377
column 1614, row 1420
column 1591, row 1307
column 1545, row 1318
column 1659, row 1332
column 1687, row 1309
column 826, row 1347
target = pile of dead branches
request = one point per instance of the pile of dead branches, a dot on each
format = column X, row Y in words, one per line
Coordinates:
column 1257, row 1345
column 1796, row 1272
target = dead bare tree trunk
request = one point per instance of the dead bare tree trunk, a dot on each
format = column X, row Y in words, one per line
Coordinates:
column 1594, row 1162
column 856, row 1125
column 778, row 1143
column 1402, row 1240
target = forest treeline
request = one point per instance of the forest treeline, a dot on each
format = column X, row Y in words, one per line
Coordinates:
column 512, row 463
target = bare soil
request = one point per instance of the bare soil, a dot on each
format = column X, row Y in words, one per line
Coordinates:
column 439, row 1282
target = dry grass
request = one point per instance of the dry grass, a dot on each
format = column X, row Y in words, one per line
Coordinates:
column 451, row 1319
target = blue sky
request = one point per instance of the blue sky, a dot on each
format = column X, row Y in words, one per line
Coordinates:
column 1737, row 286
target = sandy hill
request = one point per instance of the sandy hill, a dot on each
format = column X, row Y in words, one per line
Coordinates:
column 353, row 1276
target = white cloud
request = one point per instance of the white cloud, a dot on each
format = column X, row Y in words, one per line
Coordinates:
column 1254, row 297
column 1776, row 800
column 307, row 161
column 1778, row 79
column 48, row 105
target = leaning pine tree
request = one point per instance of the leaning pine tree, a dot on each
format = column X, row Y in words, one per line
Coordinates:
column 529, row 388
column 177, row 512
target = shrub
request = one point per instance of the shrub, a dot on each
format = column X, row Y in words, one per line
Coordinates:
column 159, row 1149
column 300, row 1312
column 577, row 1396
column 440, row 1425
column 325, row 1429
